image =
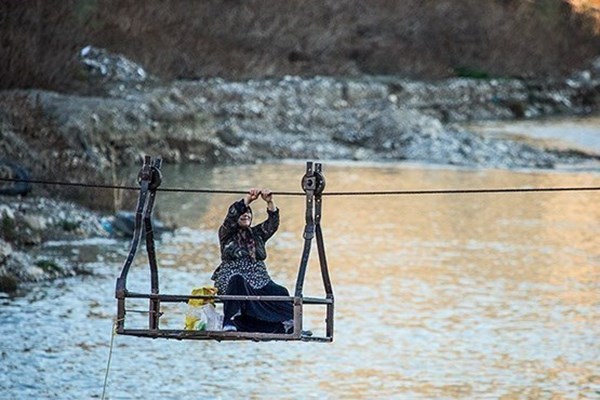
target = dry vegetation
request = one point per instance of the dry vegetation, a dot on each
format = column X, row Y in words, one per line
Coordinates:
column 239, row 39
column 28, row 136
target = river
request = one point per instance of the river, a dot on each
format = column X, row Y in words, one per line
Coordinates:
column 437, row 296
column 570, row 132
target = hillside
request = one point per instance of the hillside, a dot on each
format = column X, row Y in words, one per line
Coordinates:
column 232, row 39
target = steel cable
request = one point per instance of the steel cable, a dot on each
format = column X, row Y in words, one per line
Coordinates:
column 349, row 193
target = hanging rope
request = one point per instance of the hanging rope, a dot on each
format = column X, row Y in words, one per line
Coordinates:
column 358, row 193
column 110, row 351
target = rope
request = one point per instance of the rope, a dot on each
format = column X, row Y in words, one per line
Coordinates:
column 358, row 193
column 110, row 351
column 80, row 184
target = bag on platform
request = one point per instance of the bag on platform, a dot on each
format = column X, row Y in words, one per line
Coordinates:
column 201, row 314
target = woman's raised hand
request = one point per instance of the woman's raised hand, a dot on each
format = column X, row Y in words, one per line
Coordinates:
column 252, row 195
column 266, row 195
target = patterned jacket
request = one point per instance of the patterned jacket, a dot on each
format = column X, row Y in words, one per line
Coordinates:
column 238, row 243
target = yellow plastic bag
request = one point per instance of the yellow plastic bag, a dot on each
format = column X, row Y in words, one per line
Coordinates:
column 194, row 316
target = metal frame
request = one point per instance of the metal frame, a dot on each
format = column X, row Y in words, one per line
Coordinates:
column 313, row 183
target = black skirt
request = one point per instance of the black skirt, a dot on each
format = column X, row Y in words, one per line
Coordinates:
column 258, row 316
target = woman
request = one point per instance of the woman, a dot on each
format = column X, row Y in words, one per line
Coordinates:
column 243, row 272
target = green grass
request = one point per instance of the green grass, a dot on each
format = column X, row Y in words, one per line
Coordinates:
column 69, row 226
column 48, row 266
column 7, row 228
column 473, row 73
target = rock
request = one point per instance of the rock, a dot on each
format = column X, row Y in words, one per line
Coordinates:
column 230, row 136
column 123, row 225
column 110, row 66
column 8, row 283
column 35, row 222
column 28, row 222
column 15, row 267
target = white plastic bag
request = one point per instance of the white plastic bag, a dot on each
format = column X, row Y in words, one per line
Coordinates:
column 203, row 318
column 213, row 320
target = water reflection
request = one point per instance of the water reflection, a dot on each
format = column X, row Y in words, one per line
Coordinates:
column 439, row 296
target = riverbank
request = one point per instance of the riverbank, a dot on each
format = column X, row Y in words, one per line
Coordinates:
column 125, row 113
column 86, row 137
column 216, row 121
column 26, row 223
